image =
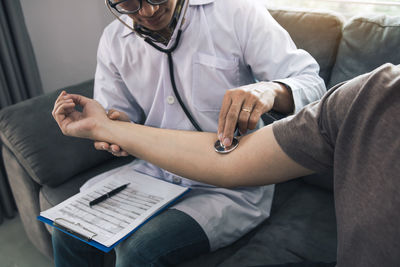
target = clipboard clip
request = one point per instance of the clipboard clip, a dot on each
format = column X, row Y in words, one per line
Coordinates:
column 62, row 224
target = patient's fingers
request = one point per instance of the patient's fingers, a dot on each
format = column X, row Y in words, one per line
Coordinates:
column 62, row 109
column 61, row 102
column 61, row 96
column 78, row 99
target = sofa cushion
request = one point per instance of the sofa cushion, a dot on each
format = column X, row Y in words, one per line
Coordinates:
column 34, row 138
column 323, row 180
column 284, row 193
column 367, row 43
column 304, row 229
column 323, row 44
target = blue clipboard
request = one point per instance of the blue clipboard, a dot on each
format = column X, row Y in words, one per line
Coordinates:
column 97, row 244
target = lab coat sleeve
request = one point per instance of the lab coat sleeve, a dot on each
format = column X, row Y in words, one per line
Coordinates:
column 272, row 56
column 109, row 88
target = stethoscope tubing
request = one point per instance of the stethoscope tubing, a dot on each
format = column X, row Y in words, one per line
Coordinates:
column 219, row 148
column 172, row 76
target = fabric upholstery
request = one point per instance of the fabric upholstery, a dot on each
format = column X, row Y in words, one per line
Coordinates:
column 7, row 207
column 323, row 44
column 367, row 43
column 322, row 180
column 34, row 137
column 26, row 195
column 303, row 229
column 283, row 192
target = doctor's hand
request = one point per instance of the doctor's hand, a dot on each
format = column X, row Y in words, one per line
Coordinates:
column 114, row 149
column 75, row 123
column 243, row 106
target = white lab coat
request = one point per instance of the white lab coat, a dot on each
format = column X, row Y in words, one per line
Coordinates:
column 224, row 44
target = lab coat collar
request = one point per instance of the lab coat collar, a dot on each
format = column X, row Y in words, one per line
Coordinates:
column 126, row 31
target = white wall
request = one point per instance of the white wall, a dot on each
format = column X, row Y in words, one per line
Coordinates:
column 65, row 36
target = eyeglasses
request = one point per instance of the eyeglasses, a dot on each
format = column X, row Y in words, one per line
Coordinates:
column 131, row 6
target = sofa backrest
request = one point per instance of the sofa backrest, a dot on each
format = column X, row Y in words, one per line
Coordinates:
column 367, row 43
column 319, row 33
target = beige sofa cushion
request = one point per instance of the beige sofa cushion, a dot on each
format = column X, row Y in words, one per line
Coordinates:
column 324, row 44
column 367, row 43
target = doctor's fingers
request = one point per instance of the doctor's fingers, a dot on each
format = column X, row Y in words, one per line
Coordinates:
column 242, row 104
column 98, row 145
column 116, row 150
column 111, row 148
column 226, row 103
column 255, row 116
column 231, row 120
column 233, row 97
column 117, row 115
column 248, row 113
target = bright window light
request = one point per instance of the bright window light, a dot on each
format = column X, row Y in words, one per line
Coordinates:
column 348, row 8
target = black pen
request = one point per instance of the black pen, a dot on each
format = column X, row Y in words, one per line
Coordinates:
column 107, row 195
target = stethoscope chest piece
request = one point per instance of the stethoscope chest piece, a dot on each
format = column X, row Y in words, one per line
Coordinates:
column 220, row 148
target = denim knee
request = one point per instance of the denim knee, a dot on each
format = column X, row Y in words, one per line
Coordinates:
column 166, row 240
column 69, row 251
column 134, row 253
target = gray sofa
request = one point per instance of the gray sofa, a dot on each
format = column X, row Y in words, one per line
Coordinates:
column 44, row 167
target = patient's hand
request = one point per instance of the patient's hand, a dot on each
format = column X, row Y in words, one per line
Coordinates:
column 114, row 149
column 85, row 124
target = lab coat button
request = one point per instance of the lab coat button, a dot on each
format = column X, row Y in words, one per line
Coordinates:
column 176, row 180
column 170, row 100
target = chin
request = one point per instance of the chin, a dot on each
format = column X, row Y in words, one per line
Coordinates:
column 159, row 25
column 154, row 28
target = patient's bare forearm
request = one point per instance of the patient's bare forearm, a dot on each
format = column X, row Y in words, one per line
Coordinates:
column 258, row 160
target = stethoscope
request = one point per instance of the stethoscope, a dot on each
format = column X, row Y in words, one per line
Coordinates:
column 218, row 146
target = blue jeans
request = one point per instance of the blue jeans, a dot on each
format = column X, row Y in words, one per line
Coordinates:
column 167, row 239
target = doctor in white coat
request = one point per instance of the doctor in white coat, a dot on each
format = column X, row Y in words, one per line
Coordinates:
column 168, row 64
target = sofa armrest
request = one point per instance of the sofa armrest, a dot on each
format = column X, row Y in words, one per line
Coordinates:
column 29, row 131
